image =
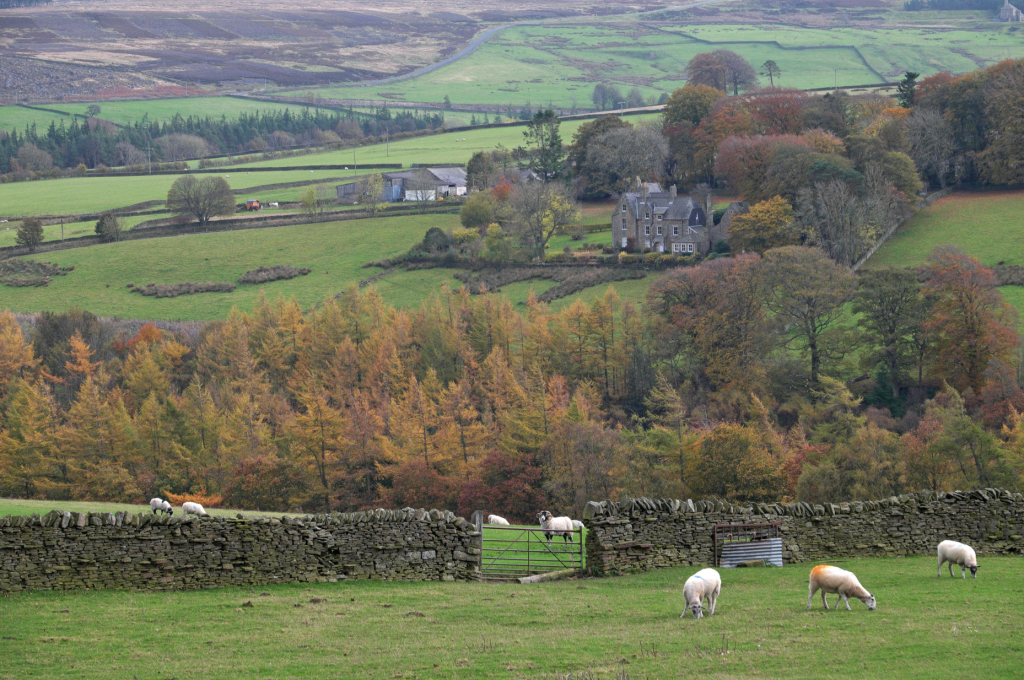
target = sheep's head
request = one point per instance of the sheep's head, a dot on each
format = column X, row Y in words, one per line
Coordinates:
column 698, row 611
column 870, row 602
column 544, row 516
column 170, row 512
column 974, row 571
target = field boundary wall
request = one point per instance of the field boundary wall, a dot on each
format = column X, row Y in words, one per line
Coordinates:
column 104, row 551
column 639, row 534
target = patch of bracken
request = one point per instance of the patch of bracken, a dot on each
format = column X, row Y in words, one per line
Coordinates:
column 19, row 273
column 278, row 272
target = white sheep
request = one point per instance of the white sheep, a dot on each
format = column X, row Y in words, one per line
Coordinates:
column 498, row 521
column 706, row 584
column 555, row 526
column 830, row 580
column 157, row 504
column 576, row 524
column 959, row 554
column 191, row 508
column 167, row 508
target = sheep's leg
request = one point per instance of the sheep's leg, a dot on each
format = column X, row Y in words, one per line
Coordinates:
column 963, row 572
column 839, row 598
column 938, row 572
column 847, row 601
column 951, row 570
column 712, row 599
column 810, row 597
column 824, row 600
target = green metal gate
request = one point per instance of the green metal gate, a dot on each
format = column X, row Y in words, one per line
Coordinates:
column 514, row 552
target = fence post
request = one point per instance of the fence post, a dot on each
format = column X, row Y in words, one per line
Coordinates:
column 478, row 520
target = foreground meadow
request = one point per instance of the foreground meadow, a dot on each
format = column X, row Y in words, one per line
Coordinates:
column 924, row 627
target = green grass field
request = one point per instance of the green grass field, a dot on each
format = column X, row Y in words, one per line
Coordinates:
column 559, row 63
column 924, row 627
column 335, row 251
column 18, row 117
column 985, row 225
column 18, row 506
column 77, row 195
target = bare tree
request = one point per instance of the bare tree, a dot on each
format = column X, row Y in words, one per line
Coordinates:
column 179, row 147
column 932, row 145
column 371, row 194
column 836, row 219
column 200, row 198
column 31, row 158
column 127, row 155
column 317, row 200
column 617, row 156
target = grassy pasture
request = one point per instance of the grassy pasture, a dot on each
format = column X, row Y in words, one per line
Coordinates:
column 446, row 147
column 985, row 225
column 18, row 117
column 560, row 63
column 77, row 195
column 924, row 627
column 18, row 506
column 161, row 110
column 335, row 251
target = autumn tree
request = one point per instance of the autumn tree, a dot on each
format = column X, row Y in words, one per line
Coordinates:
column 972, row 326
column 805, row 291
column 932, row 145
column 776, row 111
column 731, row 463
column 539, row 211
column 690, row 104
column 371, row 194
column 615, row 158
column 722, row 70
column 768, row 224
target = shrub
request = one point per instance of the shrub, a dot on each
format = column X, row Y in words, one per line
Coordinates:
column 204, row 499
column 170, row 290
column 18, row 273
column 30, row 233
column 109, row 227
column 276, row 273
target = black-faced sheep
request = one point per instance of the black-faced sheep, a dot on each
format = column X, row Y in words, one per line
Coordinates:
column 159, row 505
column 830, row 579
column 555, row 526
column 959, row 554
column 706, row 584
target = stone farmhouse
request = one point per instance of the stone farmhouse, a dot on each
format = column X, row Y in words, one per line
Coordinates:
column 648, row 219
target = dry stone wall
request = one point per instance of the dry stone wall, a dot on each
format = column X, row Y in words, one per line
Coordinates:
column 643, row 533
column 93, row 551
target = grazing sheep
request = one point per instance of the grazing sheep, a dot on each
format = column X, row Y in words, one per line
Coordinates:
column 830, row 579
column 157, row 504
column 498, row 521
column 576, row 524
column 960, row 554
column 192, row 509
column 706, row 584
column 166, row 508
column 555, row 526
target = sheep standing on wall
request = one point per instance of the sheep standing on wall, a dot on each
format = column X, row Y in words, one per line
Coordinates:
column 959, row 554
column 497, row 521
column 191, row 508
column 830, row 580
column 706, row 584
column 555, row 526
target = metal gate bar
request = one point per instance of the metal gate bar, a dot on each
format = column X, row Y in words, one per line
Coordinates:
column 511, row 552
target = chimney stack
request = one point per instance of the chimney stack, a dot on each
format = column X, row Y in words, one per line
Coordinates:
column 672, row 193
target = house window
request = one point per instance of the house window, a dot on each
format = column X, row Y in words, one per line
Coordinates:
column 675, row 247
column 647, row 229
column 624, row 241
column 659, row 217
column 647, row 215
column 660, row 231
column 623, row 225
column 675, row 231
column 689, row 247
column 623, row 207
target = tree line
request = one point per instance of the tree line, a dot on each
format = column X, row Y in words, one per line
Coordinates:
column 95, row 142
column 745, row 377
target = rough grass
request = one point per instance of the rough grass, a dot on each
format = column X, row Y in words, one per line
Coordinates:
column 161, row 110
column 18, row 506
column 985, row 225
column 334, row 251
column 924, row 627
column 560, row 63
column 77, row 195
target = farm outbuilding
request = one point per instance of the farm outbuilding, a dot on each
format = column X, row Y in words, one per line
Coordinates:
column 418, row 184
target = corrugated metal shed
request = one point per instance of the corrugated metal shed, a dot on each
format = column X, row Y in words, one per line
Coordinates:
column 769, row 550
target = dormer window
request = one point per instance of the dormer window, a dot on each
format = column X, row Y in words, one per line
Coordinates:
column 659, row 217
column 623, row 207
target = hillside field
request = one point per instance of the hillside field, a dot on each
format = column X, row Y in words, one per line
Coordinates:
column 18, row 506
column 559, row 63
column 985, row 225
column 619, row 627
